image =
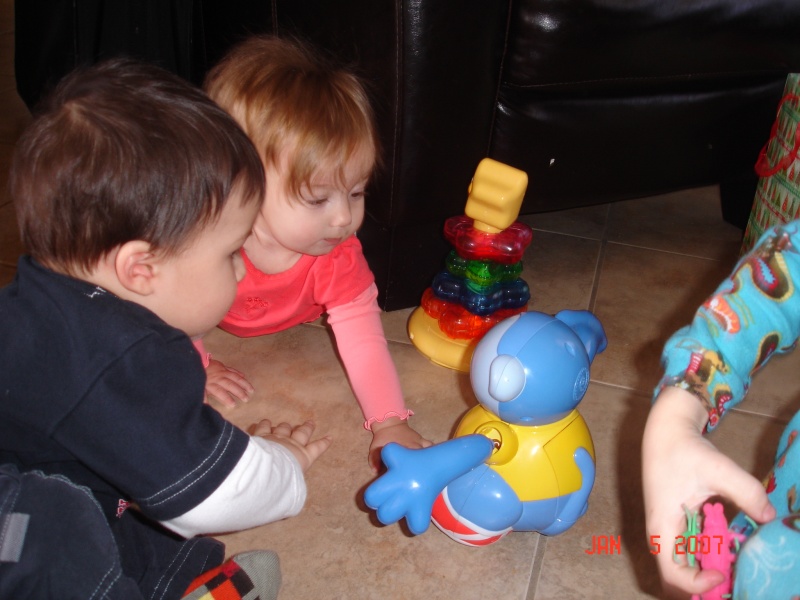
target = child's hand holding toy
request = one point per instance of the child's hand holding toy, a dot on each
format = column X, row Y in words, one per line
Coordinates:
column 682, row 468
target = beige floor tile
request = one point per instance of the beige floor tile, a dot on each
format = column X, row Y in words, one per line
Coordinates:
column 775, row 391
column 395, row 325
column 687, row 222
column 560, row 270
column 588, row 222
column 643, row 296
column 751, row 440
column 335, row 548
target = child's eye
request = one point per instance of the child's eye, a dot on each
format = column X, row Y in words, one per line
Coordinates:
column 357, row 195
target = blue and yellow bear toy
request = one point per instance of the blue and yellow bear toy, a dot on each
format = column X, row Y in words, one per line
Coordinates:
column 523, row 459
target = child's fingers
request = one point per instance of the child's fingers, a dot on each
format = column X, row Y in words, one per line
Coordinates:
column 302, row 433
column 263, row 427
column 236, row 385
column 690, row 579
column 223, row 399
column 227, row 393
column 236, row 372
column 317, row 447
column 222, row 374
column 748, row 493
column 240, row 381
column 282, row 430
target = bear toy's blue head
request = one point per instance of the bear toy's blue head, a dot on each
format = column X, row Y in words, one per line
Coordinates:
column 533, row 368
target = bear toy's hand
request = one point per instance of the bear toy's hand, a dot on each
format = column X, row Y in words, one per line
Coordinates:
column 416, row 477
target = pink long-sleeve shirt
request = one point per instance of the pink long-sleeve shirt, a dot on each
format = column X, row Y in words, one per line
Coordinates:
column 340, row 284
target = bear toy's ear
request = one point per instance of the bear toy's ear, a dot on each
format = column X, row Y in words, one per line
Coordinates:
column 588, row 328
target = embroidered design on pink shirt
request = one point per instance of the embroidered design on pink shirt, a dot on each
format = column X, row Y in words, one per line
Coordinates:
column 254, row 303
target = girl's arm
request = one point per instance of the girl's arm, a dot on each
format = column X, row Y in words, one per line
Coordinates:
column 752, row 315
column 365, row 354
column 373, row 377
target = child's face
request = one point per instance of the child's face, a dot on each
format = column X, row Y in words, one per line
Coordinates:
column 199, row 284
column 324, row 215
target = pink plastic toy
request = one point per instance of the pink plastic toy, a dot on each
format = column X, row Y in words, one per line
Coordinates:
column 716, row 550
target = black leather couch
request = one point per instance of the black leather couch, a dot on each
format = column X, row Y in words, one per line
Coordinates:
column 597, row 100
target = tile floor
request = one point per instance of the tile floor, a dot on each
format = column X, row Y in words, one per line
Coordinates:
column 642, row 266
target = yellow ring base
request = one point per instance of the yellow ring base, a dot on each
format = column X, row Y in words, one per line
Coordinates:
column 441, row 349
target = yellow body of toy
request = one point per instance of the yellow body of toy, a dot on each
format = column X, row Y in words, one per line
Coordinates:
column 536, row 461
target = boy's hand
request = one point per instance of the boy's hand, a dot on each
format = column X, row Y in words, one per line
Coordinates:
column 296, row 439
column 226, row 385
column 395, row 430
column 682, row 468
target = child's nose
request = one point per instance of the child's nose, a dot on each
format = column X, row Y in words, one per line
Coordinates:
column 342, row 216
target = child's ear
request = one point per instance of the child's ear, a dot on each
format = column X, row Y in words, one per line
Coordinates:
column 136, row 266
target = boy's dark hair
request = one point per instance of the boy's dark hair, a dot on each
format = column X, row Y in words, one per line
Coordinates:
column 124, row 151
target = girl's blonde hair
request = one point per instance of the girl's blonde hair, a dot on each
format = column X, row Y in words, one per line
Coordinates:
column 289, row 98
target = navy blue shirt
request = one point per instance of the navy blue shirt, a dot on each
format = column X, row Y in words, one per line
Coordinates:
column 104, row 392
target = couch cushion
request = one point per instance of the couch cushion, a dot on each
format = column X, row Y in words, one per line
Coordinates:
column 619, row 46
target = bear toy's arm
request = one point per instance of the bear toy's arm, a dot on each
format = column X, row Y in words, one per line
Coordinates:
column 578, row 501
column 414, row 478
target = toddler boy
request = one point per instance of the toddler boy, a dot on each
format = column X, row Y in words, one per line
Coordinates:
column 134, row 193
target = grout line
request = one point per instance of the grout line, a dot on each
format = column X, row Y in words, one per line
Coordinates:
column 536, row 566
column 598, row 267
column 568, row 234
column 761, row 415
column 666, row 251
column 620, row 387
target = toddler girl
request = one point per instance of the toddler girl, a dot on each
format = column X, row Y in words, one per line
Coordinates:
column 313, row 127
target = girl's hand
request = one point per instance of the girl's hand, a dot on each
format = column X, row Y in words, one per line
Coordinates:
column 395, row 430
column 226, row 385
column 682, row 468
column 296, row 439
